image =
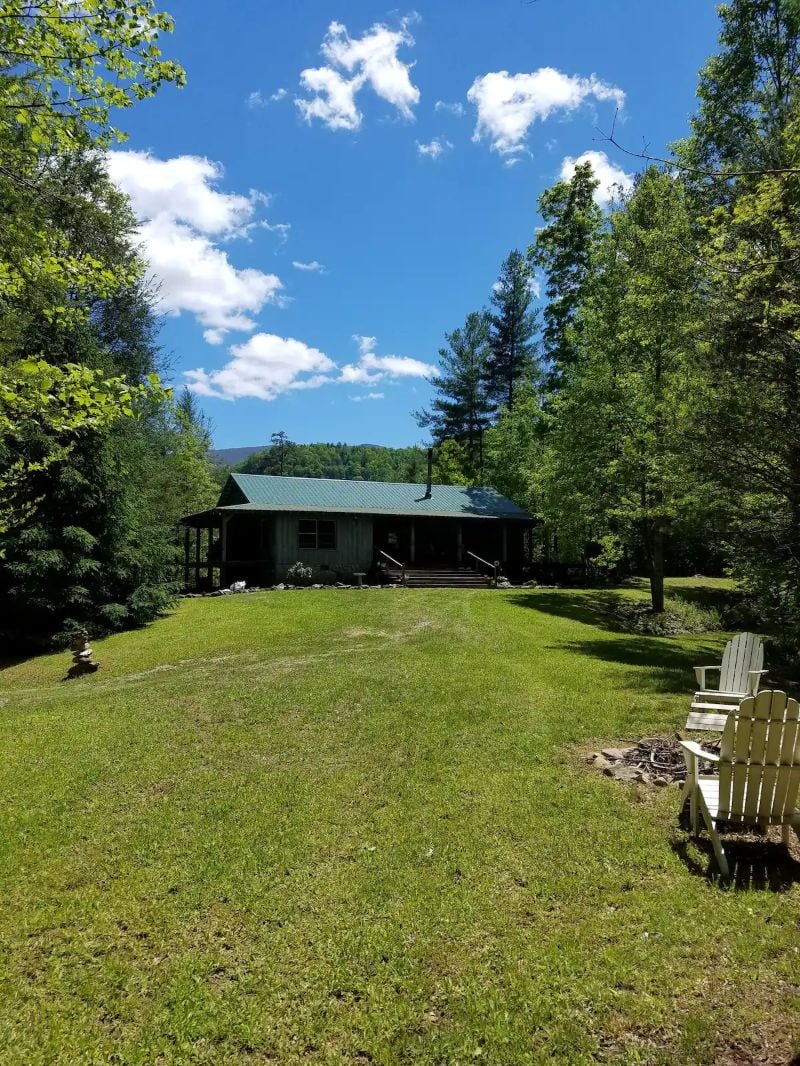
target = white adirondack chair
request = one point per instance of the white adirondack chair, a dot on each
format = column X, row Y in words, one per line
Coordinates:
column 740, row 674
column 759, row 770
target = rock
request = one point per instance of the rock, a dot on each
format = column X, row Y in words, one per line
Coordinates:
column 661, row 781
column 530, row 584
column 316, row 586
column 623, row 773
column 503, row 584
column 278, row 588
column 600, row 762
column 615, row 754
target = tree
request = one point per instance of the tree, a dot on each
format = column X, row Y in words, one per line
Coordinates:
column 512, row 358
column 620, row 443
column 748, row 238
column 280, row 442
column 562, row 249
column 43, row 410
column 460, row 409
column 64, row 67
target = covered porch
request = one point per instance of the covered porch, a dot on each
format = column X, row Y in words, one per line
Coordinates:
column 436, row 542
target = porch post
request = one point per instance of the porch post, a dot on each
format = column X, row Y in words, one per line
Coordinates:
column 460, row 549
column 413, row 546
column 198, row 533
column 187, row 543
column 209, row 562
column 223, row 566
column 505, row 543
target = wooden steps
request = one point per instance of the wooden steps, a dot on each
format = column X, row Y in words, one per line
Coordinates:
column 455, row 577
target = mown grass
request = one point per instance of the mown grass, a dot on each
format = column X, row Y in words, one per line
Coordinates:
column 356, row 827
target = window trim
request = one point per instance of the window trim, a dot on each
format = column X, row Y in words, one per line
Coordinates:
column 307, row 533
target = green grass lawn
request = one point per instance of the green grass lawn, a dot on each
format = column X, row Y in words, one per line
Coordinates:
column 357, row 827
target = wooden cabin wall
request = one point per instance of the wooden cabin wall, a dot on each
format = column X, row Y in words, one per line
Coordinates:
column 353, row 552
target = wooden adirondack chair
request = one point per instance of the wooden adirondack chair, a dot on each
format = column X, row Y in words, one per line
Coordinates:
column 759, row 770
column 740, row 673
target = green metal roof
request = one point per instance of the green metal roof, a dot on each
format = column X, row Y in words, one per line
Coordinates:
column 263, row 492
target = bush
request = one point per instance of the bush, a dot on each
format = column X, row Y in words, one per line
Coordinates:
column 299, row 574
column 679, row 616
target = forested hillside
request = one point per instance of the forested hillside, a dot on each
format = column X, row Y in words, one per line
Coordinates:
column 355, row 462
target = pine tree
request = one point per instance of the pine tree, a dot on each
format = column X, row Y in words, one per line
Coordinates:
column 512, row 354
column 461, row 409
column 562, row 249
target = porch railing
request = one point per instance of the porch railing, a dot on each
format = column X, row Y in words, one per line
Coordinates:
column 489, row 566
column 400, row 566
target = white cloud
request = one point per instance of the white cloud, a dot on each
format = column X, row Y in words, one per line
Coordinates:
column 258, row 99
column 508, row 104
column 372, row 368
column 181, row 189
column 355, row 63
column 534, row 286
column 452, row 109
column 311, row 267
column 263, row 367
column 182, row 216
column 611, row 177
column 433, row 149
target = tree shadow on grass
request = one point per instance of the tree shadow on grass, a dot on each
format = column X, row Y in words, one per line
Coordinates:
column 667, row 664
column 758, row 864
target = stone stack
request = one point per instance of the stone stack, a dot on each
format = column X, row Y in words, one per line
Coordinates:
column 82, row 662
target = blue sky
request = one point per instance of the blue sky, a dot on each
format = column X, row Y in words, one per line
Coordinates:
column 338, row 184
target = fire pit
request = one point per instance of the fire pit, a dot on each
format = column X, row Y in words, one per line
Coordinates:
column 650, row 761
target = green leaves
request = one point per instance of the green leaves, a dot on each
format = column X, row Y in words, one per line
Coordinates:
column 42, row 408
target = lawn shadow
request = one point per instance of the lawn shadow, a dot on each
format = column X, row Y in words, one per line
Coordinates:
column 667, row 664
column 757, row 863
column 594, row 608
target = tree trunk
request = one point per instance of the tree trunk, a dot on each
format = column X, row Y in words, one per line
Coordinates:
column 657, row 570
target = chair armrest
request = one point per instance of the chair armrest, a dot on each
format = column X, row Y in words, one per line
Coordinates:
column 754, row 680
column 694, row 751
column 700, row 673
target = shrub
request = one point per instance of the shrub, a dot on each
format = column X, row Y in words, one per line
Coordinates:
column 299, row 574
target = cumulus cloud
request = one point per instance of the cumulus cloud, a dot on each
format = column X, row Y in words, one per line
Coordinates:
column 612, row 178
column 258, row 99
column 263, row 367
column 311, row 267
column 508, row 105
column 352, row 65
column 367, row 396
column 372, row 368
column 451, row 109
column 433, row 149
column 183, row 217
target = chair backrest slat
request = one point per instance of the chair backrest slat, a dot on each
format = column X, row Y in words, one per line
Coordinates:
column 759, row 770
column 742, row 654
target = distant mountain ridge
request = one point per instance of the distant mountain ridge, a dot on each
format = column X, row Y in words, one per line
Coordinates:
column 232, row 456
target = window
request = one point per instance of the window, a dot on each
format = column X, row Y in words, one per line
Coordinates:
column 313, row 533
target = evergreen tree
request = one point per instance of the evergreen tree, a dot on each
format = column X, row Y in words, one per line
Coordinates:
column 461, row 409
column 512, row 358
column 562, row 249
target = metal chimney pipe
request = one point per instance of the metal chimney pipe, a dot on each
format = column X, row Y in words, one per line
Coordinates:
column 429, row 485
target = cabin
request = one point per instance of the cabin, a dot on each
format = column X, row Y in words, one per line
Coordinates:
column 263, row 524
